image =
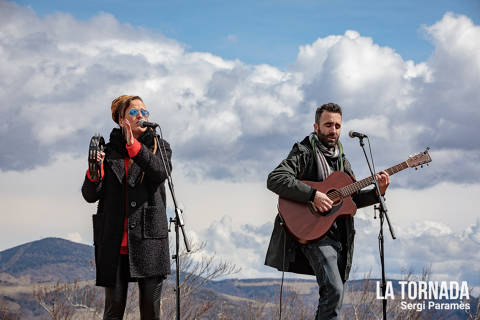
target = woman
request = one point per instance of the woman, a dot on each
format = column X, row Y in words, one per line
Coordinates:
column 130, row 227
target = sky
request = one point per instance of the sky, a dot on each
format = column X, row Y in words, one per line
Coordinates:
column 234, row 86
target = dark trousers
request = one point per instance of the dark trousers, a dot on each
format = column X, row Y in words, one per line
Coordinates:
column 150, row 290
column 323, row 256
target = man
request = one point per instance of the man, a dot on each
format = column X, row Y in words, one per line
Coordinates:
column 330, row 257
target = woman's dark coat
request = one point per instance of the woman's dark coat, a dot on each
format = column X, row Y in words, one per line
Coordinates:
column 141, row 199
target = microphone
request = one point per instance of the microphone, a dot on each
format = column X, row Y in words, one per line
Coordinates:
column 145, row 124
column 354, row 134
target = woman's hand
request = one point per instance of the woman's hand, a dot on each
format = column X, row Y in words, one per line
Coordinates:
column 100, row 156
column 127, row 131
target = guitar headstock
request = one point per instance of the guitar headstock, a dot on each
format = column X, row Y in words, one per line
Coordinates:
column 419, row 159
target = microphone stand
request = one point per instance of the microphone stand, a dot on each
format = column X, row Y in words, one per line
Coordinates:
column 382, row 209
column 177, row 221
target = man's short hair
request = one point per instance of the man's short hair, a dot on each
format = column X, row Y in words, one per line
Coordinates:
column 330, row 107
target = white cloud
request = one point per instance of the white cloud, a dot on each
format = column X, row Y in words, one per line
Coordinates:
column 379, row 122
column 74, row 236
column 418, row 245
column 45, row 202
column 63, row 74
column 474, row 232
column 356, row 72
column 456, row 46
column 446, row 203
column 245, row 245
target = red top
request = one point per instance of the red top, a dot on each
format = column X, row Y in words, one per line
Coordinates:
column 132, row 152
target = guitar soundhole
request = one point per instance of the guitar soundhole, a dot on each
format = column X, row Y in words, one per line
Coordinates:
column 314, row 211
column 335, row 196
column 334, row 209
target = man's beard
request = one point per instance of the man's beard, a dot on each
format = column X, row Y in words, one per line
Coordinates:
column 325, row 141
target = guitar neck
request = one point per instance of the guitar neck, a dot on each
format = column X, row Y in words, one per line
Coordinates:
column 357, row 186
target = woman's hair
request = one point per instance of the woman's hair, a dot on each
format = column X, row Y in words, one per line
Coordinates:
column 120, row 105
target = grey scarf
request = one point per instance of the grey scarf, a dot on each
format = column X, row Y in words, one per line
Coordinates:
column 321, row 151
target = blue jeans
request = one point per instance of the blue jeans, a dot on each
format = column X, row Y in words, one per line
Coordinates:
column 323, row 256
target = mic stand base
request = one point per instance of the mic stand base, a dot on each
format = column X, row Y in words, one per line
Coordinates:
column 381, row 242
column 176, row 257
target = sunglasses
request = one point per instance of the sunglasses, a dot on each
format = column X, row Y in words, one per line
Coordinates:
column 134, row 112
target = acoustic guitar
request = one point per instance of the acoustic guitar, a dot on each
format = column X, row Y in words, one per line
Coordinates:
column 303, row 220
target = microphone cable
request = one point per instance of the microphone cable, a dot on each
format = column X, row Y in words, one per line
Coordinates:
column 282, row 223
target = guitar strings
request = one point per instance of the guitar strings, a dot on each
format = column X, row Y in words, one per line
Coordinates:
column 334, row 195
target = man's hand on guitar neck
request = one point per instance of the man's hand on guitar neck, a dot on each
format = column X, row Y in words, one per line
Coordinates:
column 383, row 181
column 322, row 202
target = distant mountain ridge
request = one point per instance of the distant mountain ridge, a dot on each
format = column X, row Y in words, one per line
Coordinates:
column 48, row 259
column 55, row 259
